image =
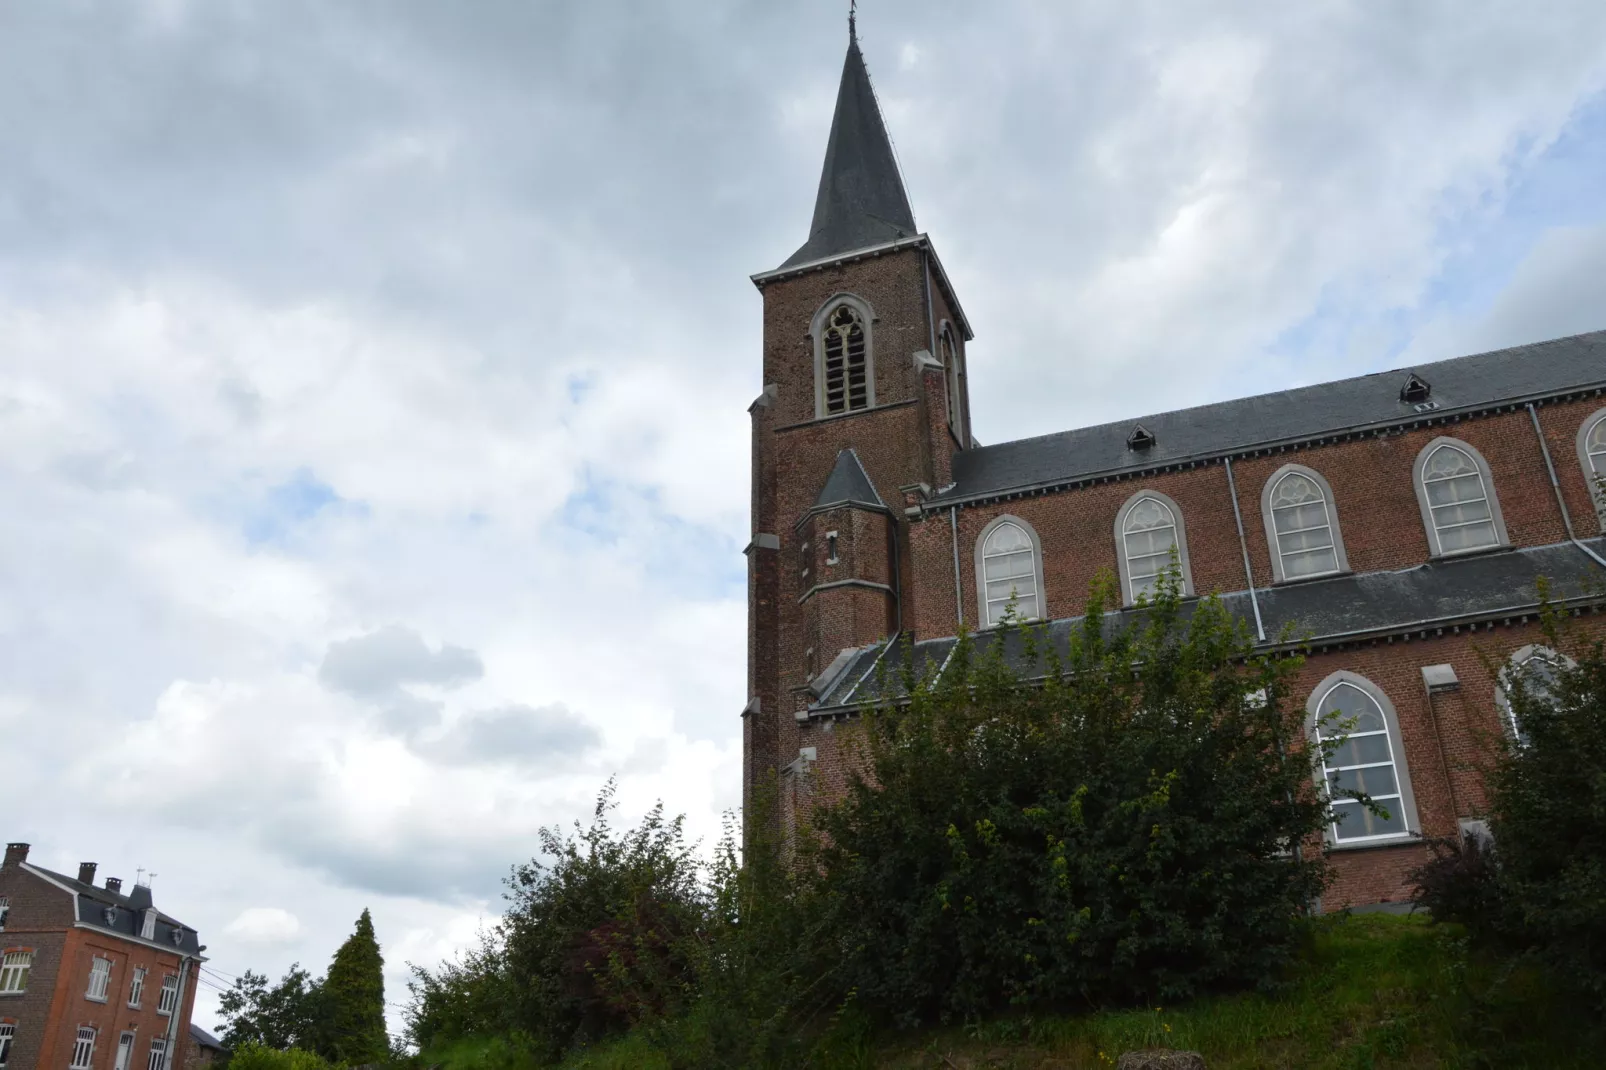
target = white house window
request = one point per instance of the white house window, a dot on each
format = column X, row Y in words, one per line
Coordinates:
column 1457, row 499
column 147, row 928
column 1010, row 570
column 8, row 1033
column 1301, row 526
column 5, row 908
column 1148, row 529
column 158, row 1059
column 100, row 975
column 846, row 363
column 1366, row 760
column 136, row 987
column 14, row 969
column 169, row 997
column 83, row 1048
column 125, row 1052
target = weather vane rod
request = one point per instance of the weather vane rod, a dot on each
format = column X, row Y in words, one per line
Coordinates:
column 853, row 11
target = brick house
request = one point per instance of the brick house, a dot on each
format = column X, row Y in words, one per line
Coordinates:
column 1400, row 521
column 90, row 978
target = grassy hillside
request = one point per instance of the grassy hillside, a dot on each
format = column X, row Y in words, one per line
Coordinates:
column 1372, row 992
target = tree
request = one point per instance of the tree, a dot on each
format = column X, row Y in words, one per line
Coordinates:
column 354, row 1000
column 287, row 1015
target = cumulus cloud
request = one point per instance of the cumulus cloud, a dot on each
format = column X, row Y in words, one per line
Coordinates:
column 514, row 734
column 376, row 664
column 264, row 926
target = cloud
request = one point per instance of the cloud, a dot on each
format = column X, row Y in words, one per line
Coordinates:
column 376, row 664
column 513, row 734
column 264, row 927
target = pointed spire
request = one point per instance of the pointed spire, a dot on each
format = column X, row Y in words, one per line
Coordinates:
column 861, row 201
column 847, row 485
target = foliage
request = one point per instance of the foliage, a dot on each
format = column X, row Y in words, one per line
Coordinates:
column 472, row 996
column 254, row 1056
column 1107, row 822
column 354, row 999
column 287, row 1015
column 1544, row 895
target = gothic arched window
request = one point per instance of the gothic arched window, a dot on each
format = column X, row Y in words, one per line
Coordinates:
column 948, row 350
column 1009, row 568
column 1301, row 524
column 844, row 372
column 1534, row 668
column 1148, row 529
column 1459, row 507
column 1369, row 759
column 1592, row 456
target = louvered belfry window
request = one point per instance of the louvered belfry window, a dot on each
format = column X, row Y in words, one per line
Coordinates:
column 847, row 367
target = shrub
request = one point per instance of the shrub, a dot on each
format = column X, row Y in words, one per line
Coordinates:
column 1107, row 821
column 253, row 1056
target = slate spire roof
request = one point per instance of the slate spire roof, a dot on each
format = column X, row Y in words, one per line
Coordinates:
column 848, row 485
column 861, row 201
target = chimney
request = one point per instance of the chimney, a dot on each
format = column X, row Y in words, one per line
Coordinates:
column 86, row 873
column 16, row 853
column 114, row 885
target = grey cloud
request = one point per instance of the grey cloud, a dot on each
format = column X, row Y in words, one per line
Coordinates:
column 373, row 666
column 516, row 735
column 1558, row 290
column 405, row 715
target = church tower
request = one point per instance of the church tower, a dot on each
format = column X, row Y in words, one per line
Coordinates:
column 862, row 412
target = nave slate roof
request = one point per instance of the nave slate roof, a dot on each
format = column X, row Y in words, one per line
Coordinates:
column 1447, row 593
column 1309, row 412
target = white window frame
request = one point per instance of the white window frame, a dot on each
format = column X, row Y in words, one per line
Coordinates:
column 157, row 1059
column 1274, row 546
column 125, row 1051
column 983, row 612
column 1495, row 516
column 83, row 1048
column 8, row 1037
column 136, row 987
column 1520, row 657
column 14, row 969
column 1315, row 710
column 167, row 1002
column 1594, row 465
column 100, row 978
column 5, row 910
column 1180, row 526
column 147, row 925
column 867, row 319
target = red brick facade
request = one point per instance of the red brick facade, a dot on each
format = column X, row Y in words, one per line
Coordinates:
column 46, row 1017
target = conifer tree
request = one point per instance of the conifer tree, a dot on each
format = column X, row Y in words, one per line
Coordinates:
column 354, row 994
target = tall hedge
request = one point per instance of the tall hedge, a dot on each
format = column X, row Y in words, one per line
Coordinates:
column 354, row 1000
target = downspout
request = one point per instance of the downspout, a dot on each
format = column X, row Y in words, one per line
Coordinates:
column 897, row 579
column 959, row 592
column 1566, row 517
column 931, row 313
column 1243, row 544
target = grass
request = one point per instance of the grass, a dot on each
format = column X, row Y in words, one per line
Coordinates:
column 1372, row 993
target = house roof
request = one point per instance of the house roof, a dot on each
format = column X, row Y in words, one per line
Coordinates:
column 1287, row 416
column 204, row 1039
column 847, row 485
column 92, row 902
column 861, row 200
column 1441, row 594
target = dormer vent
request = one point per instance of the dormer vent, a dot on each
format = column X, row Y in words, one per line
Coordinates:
column 1415, row 390
column 1141, row 438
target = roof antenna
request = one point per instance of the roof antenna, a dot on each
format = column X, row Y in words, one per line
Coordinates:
column 853, row 28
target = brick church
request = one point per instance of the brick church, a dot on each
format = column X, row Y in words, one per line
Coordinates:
column 1398, row 521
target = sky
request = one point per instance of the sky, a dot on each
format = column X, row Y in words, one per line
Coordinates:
column 373, row 376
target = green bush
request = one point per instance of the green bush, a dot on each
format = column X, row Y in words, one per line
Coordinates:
column 1545, row 895
column 253, row 1056
column 1106, row 822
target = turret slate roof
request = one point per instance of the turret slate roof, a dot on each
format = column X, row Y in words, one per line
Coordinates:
column 861, row 201
column 847, row 485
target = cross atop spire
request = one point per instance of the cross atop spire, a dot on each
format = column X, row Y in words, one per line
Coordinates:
column 861, row 201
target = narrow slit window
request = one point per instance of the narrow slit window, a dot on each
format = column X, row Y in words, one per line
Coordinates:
column 1149, row 536
column 1458, row 501
column 1363, row 762
column 950, row 363
column 1009, row 573
column 847, row 371
column 1303, row 526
